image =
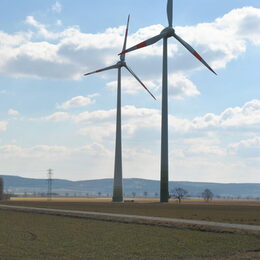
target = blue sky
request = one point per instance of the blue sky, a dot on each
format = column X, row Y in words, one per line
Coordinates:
column 52, row 117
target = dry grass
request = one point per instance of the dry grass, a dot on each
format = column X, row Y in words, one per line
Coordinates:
column 60, row 199
column 198, row 201
column 243, row 212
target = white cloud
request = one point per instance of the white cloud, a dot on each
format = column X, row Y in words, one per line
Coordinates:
column 42, row 30
column 95, row 150
column 249, row 148
column 51, row 151
column 57, row 117
column 101, row 123
column 201, row 146
column 98, row 132
column 59, row 22
column 180, row 86
column 3, row 126
column 242, row 119
column 13, row 40
column 78, row 101
column 95, row 116
column 30, row 20
column 201, row 149
column 131, row 86
column 56, row 7
column 245, row 117
column 13, row 112
column 68, row 53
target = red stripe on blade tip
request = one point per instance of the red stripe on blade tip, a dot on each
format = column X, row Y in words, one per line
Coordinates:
column 141, row 45
column 197, row 55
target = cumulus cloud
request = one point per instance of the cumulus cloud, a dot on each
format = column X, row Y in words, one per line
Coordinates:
column 197, row 148
column 57, row 117
column 200, row 149
column 13, row 112
column 245, row 117
column 3, row 126
column 95, row 116
column 48, row 151
column 180, row 86
column 42, row 30
column 249, row 148
column 56, row 7
column 78, row 101
column 13, row 40
column 98, row 132
column 131, row 86
column 66, row 54
column 58, row 22
column 101, row 123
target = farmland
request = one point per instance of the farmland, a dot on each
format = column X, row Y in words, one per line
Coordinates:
column 36, row 236
column 32, row 236
column 242, row 212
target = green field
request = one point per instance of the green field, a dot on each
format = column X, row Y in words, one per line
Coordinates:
column 32, row 236
column 224, row 211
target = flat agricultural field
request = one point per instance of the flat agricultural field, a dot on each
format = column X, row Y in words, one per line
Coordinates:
column 33, row 236
column 242, row 212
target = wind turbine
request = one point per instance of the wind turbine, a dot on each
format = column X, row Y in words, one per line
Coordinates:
column 166, row 33
column 118, row 187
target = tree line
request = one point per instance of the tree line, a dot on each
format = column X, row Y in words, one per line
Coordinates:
column 177, row 193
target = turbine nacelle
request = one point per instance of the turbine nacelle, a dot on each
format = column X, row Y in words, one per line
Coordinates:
column 121, row 63
column 168, row 32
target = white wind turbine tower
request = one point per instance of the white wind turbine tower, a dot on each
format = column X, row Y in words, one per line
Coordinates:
column 166, row 33
column 118, row 187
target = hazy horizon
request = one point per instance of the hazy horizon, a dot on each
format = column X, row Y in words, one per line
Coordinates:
column 75, row 180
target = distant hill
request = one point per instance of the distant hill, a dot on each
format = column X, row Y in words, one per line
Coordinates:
column 18, row 184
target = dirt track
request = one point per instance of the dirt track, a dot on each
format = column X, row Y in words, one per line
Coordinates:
column 147, row 220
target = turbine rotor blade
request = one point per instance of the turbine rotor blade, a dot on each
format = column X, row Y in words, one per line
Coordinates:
column 169, row 12
column 193, row 52
column 107, row 68
column 144, row 43
column 126, row 34
column 131, row 72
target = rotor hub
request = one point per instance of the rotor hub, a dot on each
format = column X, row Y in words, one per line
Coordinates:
column 121, row 63
column 168, row 32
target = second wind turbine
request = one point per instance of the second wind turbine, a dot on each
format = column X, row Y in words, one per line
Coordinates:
column 118, row 183
column 166, row 33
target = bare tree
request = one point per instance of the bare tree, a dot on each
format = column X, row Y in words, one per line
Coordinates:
column 133, row 194
column 145, row 193
column 178, row 193
column 1, row 189
column 207, row 195
column 99, row 194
